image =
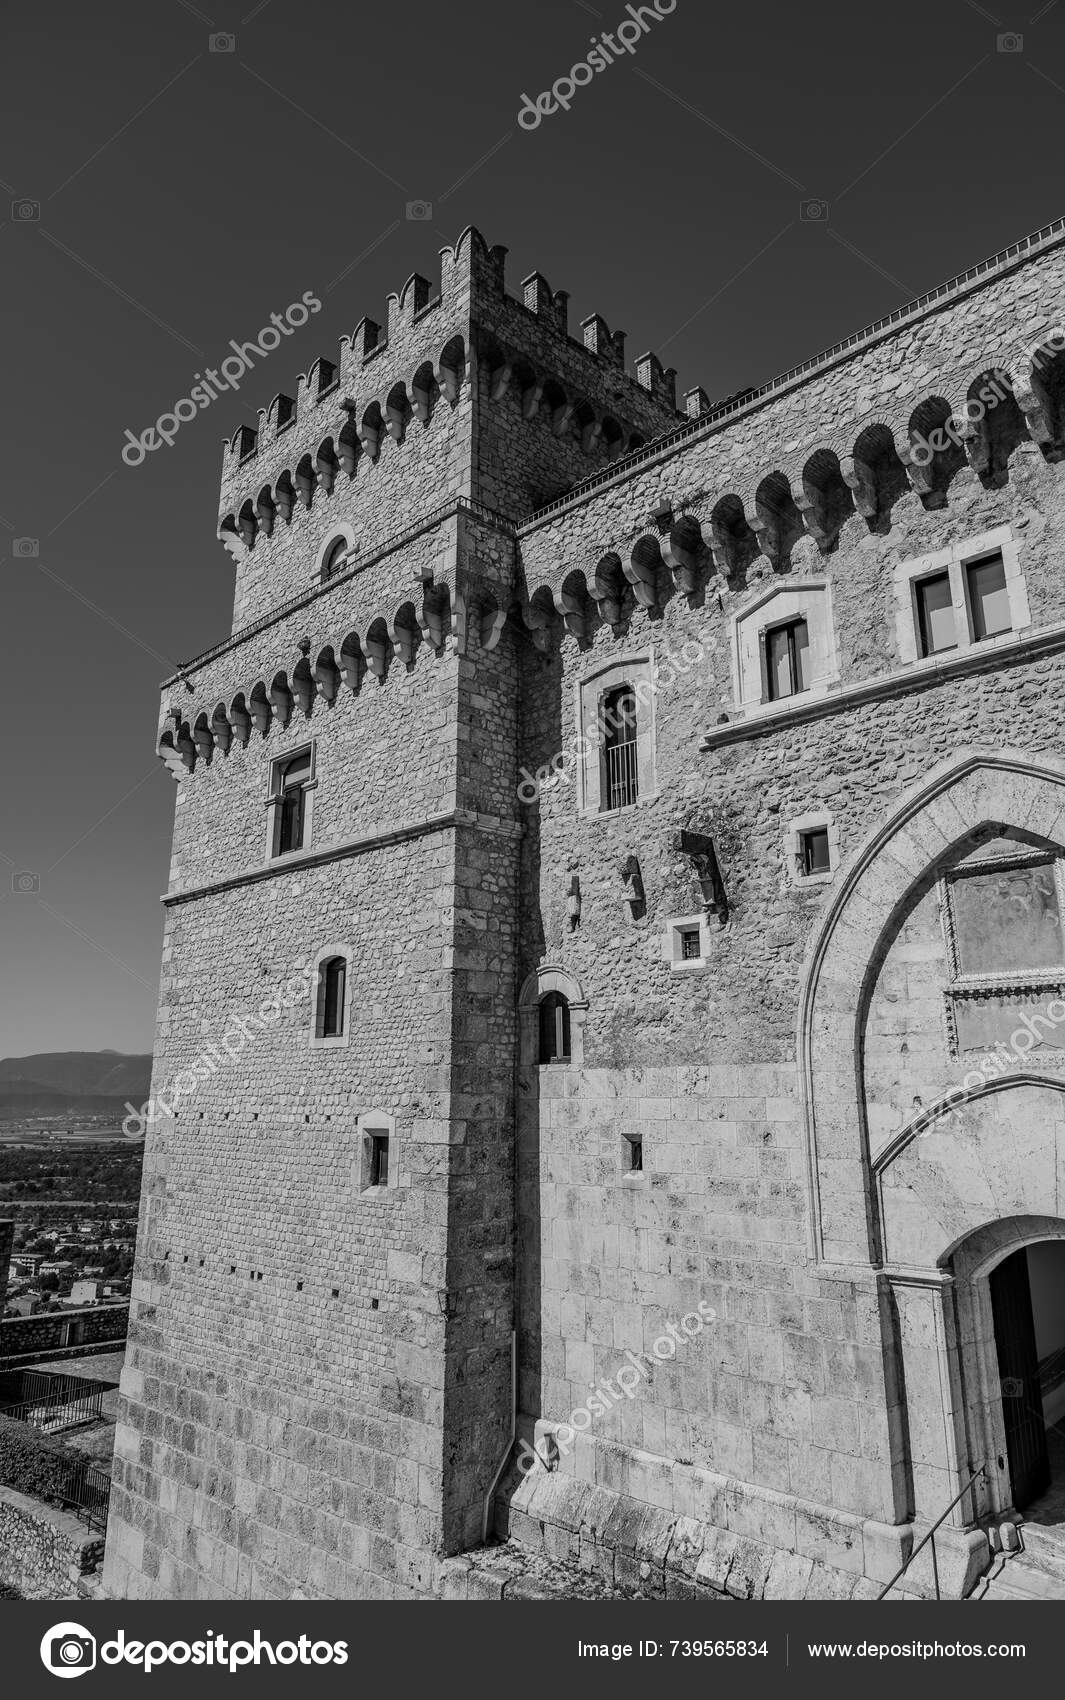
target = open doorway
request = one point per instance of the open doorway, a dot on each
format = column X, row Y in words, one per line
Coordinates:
column 1028, row 1305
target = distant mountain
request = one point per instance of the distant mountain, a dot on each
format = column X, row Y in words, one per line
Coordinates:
column 57, row 1083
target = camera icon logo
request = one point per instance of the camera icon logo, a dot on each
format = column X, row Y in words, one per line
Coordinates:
column 419, row 209
column 25, row 884
column 25, row 548
column 25, row 212
column 1012, row 1387
column 68, row 1650
column 814, row 211
column 1010, row 42
column 223, row 42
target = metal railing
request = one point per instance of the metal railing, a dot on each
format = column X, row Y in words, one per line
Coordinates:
column 981, row 1470
column 87, row 1492
column 621, row 776
column 50, row 1402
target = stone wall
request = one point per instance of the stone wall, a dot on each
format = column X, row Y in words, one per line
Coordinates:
column 51, row 1334
column 44, row 1553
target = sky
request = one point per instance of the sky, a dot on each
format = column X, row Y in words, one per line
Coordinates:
column 749, row 185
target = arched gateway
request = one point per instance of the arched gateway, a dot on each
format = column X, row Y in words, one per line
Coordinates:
column 932, row 1050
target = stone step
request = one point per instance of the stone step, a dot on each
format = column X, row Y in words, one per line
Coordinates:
column 1015, row 1577
column 1044, row 1545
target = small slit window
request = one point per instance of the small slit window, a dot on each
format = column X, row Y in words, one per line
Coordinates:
column 378, row 1159
column 554, row 1029
column 332, row 987
column 787, row 659
column 814, row 851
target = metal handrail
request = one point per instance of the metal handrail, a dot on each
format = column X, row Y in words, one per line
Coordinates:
column 981, row 1470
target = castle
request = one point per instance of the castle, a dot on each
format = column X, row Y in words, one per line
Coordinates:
column 608, row 1027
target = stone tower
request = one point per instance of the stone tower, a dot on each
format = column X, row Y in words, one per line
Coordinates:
column 318, row 1390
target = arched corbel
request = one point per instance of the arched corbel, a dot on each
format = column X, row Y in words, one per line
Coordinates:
column 859, row 479
column 230, row 538
column 642, row 570
column 326, row 675
column 531, row 398
column 500, row 380
column 807, row 509
column 563, row 418
column 1035, row 419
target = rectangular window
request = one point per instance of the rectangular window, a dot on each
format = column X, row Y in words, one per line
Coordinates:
column 378, row 1159
column 690, row 945
column 787, row 659
column 989, row 602
column 636, row 1156
column 813, row 850
column 290, row 779
column 935, row 615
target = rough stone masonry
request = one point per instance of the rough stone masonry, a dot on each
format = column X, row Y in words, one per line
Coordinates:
column 647, row 770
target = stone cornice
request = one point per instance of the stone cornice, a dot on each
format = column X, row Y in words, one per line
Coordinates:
column 314, row 593
column 451, row 820
column 902, row 681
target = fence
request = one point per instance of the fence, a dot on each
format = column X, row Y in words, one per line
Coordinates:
column 87, row 1491
column 50, row 1402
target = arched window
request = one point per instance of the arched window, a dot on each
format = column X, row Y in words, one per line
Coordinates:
column 331, row 560
column 620, row 783
column 292, row 778
column 554, row 1028
column 332, row 988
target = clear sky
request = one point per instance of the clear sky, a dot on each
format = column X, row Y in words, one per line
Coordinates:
column 186, row 194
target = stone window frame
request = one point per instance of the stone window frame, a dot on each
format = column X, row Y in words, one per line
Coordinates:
column 1046, row 982
column 805, row 598
column 671, row 944
column 369, row 1123
column 550, row 977
column 953, row 560
column 333, row 536
column 636, row 669
column 819, row 820
column 273, row 801
column 332, row 1042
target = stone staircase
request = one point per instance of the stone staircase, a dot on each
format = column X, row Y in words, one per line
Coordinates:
column 1035, row 1572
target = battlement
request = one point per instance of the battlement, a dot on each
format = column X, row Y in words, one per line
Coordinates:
column 463, row 390
column 471, row 290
